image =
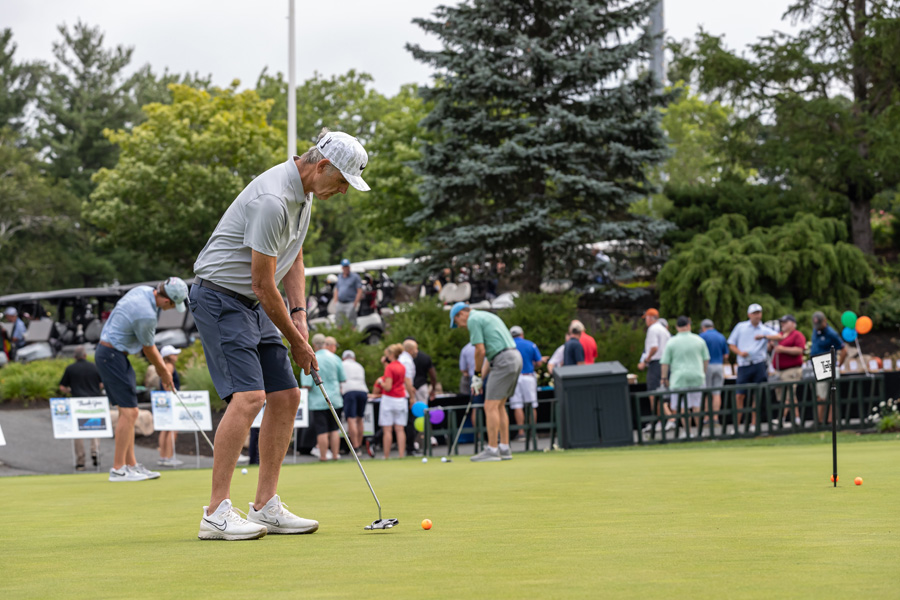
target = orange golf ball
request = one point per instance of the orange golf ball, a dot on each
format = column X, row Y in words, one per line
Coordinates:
column 832, row 478
column 858, row 481
column 426, row 524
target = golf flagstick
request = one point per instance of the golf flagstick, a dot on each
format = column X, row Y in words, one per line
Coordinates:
column 834, row 415
column 380, row 523
column 203, row 433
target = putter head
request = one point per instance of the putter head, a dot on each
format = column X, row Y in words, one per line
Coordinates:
column 382, row 524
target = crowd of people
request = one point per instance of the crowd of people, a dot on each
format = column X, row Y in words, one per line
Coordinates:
column 689, row 361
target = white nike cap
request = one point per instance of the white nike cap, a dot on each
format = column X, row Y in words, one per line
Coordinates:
column 347, row 155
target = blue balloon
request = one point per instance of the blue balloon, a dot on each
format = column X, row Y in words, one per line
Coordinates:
column 848, row 334
column 418, row 409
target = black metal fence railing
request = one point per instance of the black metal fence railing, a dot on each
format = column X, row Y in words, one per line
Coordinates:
column 772, row 407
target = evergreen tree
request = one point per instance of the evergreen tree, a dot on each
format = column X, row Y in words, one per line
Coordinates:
column 18, row 84
column 544, row 130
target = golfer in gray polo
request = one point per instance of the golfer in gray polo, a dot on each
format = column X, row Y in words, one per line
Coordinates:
column 242, row 319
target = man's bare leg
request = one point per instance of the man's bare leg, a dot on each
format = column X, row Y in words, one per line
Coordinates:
column 494, row 422
column 274, row 439
column 322, row 445
column 739, row 401
column 124, row 433
column 519, row 414
column 230, row 436
column 335, row 439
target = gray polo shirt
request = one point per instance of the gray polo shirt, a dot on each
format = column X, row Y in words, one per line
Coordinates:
column 270, row 216
column 347, row 287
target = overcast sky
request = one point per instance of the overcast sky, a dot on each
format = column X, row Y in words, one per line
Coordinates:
column 235, row 39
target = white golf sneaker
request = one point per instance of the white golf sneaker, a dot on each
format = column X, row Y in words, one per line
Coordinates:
column 275, row 517
column 670, row 425
column 506, row 454
column 126, row 473
column 227, row 523
column 139, row 468
column 487, row 455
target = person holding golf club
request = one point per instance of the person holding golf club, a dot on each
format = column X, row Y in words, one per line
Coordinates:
column 495, row 352
column 242, row 318
column 130, row 329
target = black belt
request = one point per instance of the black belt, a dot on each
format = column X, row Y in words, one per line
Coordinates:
column 251, row 304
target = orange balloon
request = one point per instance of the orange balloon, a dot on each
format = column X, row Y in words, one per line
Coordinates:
column 863, row 325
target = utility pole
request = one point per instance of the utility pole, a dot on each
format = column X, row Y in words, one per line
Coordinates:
column 292, row 85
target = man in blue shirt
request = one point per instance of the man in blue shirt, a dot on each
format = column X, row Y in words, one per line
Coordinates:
column 748, row 341
column 17, row 333
column 526, row 386
column 130, row 329
column 718, row 354
column 347, row 294
column 824, row 338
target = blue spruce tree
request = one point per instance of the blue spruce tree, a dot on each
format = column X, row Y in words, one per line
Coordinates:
column 546, row 123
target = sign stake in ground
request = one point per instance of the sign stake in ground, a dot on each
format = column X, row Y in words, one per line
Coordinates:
column 823, row 366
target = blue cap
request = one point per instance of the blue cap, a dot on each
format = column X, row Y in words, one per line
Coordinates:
column 345, row 262
column 455, row 311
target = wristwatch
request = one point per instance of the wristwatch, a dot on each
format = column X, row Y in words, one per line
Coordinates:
column 298, row 309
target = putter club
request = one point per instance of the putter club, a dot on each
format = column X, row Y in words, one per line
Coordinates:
column 458, row 431
column 378, row 523
column 203, row 433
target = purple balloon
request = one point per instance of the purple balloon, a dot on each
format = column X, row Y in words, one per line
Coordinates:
column 436, row 416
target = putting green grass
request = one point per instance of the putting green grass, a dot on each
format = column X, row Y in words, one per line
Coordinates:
column 690, row 521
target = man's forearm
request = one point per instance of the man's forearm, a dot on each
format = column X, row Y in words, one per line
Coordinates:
column 295, row 283
column 274, row 306
column 479, row 358
column 359, row 295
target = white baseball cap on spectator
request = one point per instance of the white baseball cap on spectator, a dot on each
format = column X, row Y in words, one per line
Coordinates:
column 169, row 351
column 754, row 308
column 348, row 354
column 347, row 155
column 11, row 311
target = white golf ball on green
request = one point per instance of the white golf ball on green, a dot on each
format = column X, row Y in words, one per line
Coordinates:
column 424, row 459
column 243, row 471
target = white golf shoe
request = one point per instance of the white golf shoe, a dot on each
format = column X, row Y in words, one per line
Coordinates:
column 227, row 523
column 275, row 517
column 487, row 455
column 139, row 468
column 126, row 473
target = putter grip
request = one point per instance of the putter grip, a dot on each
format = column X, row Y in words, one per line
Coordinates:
column 315, row 375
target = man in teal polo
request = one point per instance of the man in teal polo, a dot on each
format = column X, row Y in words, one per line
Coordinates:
column 491, row 338
column 683, row 366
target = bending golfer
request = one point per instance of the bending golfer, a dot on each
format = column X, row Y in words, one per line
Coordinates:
column 131, row 328
column 241, row 318
column 491, row 338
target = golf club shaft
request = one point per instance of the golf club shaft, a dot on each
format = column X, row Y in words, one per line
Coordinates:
column 459, row 430
column 188, row 411
column 318, row 382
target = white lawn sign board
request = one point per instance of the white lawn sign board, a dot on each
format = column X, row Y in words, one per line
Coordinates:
column 369, row 419
column 80, row 418
column 301, row 420
column 822, row 366
column 2, row 439
column 170, row 415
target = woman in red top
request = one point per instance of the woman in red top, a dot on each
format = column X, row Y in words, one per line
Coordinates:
column 394, row 411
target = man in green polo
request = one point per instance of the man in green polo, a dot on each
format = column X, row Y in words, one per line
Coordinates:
column 684, row 363
column 491, row 338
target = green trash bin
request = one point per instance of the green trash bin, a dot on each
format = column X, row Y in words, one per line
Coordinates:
column 593, row 405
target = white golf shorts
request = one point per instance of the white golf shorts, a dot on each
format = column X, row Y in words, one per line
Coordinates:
column 693, row 400
column 394, row 411
column 526, row 391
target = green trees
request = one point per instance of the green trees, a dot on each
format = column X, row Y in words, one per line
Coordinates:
column 817, row 109
column 803, row 264
column 540, row 139
column 180, row 169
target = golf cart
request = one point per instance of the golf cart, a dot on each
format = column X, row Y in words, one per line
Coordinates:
column 378, row 295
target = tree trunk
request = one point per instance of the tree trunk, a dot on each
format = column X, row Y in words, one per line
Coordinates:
column 534, row 268
column 860, row 223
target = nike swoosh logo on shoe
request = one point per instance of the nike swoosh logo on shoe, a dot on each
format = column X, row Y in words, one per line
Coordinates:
column 274, row 523
column 220, row 526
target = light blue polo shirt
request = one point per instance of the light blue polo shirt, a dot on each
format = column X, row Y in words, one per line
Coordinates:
column 489, row 329
column 744, row 337
column 331, row 370
column 132, row 323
